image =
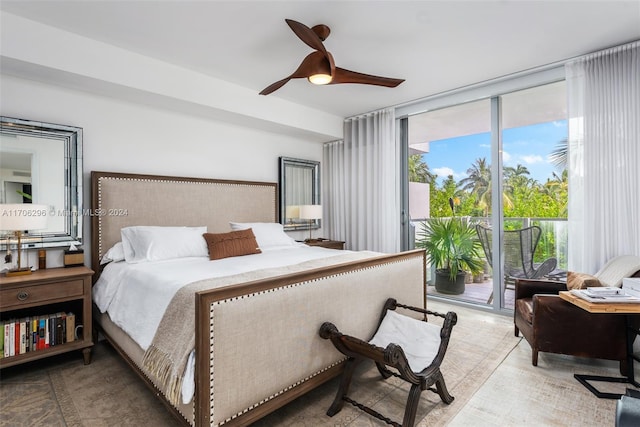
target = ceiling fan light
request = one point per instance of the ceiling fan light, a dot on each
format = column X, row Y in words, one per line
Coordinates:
column 320, row 79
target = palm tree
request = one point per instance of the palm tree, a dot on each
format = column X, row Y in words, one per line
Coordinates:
column 518, row 171
column 516, row 178
column 419, row 170
column 559, row 157
column 557, row 187
column 478, row 182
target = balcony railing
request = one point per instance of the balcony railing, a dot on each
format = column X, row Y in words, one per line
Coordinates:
column 553, row 243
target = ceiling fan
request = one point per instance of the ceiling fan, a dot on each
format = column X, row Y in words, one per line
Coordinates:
column 319, row 68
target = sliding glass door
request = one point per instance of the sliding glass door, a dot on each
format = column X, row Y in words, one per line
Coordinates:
column 533, row 130
column 491, row 164
column 449, row 193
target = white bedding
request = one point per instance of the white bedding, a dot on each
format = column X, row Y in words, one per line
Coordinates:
column 136, row 295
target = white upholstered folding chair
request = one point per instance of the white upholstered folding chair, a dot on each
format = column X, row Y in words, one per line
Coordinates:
column 412, row 348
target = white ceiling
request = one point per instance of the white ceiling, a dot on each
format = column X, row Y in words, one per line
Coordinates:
column 435, row 45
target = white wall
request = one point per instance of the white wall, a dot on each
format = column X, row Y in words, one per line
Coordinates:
column 36, row 51
column 122, row 136
column 142, row 115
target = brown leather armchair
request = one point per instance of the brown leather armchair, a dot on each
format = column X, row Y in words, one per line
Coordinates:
column 553, row 325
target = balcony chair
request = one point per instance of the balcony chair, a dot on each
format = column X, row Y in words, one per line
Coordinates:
column 413, row 348
column 552, row 325
column 519, row 249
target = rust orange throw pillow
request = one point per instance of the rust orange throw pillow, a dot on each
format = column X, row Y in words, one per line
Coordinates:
column 234, row 243
column 581, row 281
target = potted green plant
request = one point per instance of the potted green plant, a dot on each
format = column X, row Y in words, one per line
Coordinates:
column 453, row 247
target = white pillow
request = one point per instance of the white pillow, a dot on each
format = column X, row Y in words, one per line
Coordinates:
column 153, row 243
column 115, row 254
column 268, row 234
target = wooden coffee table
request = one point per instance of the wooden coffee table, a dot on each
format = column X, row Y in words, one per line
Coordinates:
column 629, row 310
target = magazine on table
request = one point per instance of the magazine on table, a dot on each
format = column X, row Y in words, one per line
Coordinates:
column 605, row 295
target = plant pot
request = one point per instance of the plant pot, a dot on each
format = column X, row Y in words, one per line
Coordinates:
column 445, row 285
column 478, row 278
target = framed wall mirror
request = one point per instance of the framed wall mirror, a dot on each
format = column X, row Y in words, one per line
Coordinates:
column 299, row 185
column 41, row 163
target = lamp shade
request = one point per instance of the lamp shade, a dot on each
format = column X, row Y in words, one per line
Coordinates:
column 311, row 211
column 292, row 211
column 20, row 217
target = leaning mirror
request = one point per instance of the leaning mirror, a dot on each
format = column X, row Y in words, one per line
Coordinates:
column 41, row 163
column 299, row 185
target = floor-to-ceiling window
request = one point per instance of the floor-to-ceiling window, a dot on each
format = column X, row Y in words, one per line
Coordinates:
column 495, row 161
column 533, row 130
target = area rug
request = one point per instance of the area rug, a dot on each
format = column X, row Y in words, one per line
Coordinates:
column 107, row 392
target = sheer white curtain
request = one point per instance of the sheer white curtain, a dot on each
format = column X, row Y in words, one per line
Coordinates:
column 361, row 184
column 301, row 193
column 603, row 92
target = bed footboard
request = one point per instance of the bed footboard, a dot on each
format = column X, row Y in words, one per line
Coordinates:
column 257, row 344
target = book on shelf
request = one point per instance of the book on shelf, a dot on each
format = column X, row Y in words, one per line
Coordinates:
column 70, row 326
column 34, row 333
column 41, row 330
column 12, row 338
column 23, row 337
column 602, row 297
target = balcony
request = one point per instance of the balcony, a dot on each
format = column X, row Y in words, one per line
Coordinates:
column 552, row 243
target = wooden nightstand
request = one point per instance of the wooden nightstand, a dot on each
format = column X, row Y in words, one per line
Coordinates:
column 329, row 244
column 40, row 297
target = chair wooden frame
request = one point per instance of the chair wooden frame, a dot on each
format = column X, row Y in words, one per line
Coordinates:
column 393, row 356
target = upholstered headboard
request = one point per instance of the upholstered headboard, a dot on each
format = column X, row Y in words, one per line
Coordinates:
column 119, row 200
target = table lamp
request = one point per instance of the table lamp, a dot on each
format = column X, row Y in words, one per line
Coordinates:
column 310, row 212
column 292, row 212
column 20, row 218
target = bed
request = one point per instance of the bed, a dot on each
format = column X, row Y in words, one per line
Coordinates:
column 254, row 333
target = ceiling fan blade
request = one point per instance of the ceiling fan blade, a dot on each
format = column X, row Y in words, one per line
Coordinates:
column 275, row 86
column 346, row 76
column 307, row 35
column 310, row 65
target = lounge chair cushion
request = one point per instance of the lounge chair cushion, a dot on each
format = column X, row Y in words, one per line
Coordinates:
column 581, row 281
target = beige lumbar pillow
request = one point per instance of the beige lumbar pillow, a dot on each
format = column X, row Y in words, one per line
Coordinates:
column 581, row 281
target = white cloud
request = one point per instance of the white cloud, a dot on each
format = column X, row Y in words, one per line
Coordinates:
column 506, row 156
column 443, row 172
column 532, row 159
column 559, row 124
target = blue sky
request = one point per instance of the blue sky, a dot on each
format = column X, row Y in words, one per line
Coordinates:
column 529, row 146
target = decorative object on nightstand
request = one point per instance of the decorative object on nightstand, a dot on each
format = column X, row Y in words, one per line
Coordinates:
column 20, row 218
column 311, row 213
column 42, row 259
column 73, row 257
